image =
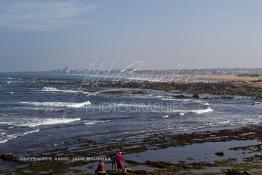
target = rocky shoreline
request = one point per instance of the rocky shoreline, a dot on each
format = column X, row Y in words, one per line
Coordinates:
column 251, row 164
column 226, row 89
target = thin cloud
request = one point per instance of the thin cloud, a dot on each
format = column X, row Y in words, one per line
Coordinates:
column 43, row 15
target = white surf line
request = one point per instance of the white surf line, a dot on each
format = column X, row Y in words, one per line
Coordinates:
column 92, row 122
column 53, row 89
column 58, row 104
column 111, row 90
column 166, row 116
column 79, row 89
column 13, row 136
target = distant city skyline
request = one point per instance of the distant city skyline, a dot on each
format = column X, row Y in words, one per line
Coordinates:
column 163, row 34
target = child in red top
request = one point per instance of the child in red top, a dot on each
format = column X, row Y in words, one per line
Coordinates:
column 101, row 169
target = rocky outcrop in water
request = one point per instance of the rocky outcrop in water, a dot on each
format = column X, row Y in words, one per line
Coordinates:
column 226, row 89
column 8, row 157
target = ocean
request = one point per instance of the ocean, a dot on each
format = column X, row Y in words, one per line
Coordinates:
column 47, row 112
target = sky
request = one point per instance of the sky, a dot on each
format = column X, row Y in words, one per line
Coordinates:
column 162, row 34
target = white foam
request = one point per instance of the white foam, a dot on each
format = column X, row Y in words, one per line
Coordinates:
column 13, row 136
column 165, row 116
column 253, row 121
column 195, row 101
column 49, row 89
column 185, row 100
column 29, row 132
column 4, row 123
column 206, row 103
column 33, row 122
column 225, row 122
column 92, row 122
column 4, row 140
column 52, row 89
column 59, row 104
column 131, row 105
column 49, row 121
column 168, row 99
column 198, row 111
column 158, row 108
column 182, row 113
column 42, row 108
column 201, row 111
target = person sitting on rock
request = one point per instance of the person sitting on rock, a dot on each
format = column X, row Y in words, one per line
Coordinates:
column 101, row 170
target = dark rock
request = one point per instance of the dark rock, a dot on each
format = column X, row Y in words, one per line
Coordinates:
column 132, row 162
column 8, row 157
column 220, row 153
column 180, row 96
column 196, row 96
column 158, row 164
column 227, row 97
column 138, row 172
column 235, row 172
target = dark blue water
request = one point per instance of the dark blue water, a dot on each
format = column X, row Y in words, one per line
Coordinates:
column 40, row 112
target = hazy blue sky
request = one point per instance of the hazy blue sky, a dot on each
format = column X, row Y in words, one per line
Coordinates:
column 48, row 34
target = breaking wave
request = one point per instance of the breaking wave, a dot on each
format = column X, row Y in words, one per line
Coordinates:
column 58, row 104
column 92, row 122
column 197, row 111
column 136, row 107
column 33, row 122
column 165, row 116
column 6, row 138
column 52, row 89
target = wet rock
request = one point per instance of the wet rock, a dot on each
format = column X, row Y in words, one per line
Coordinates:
column 226, row 89
column 220, row 153
column 137, row 172
column 128, row 172
column 190, row 158
column 8, row 157
column 196, row 96
column 158, row 164
column 227, row 97
column 235, row 172
column 180, row 96
column 132, row 162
